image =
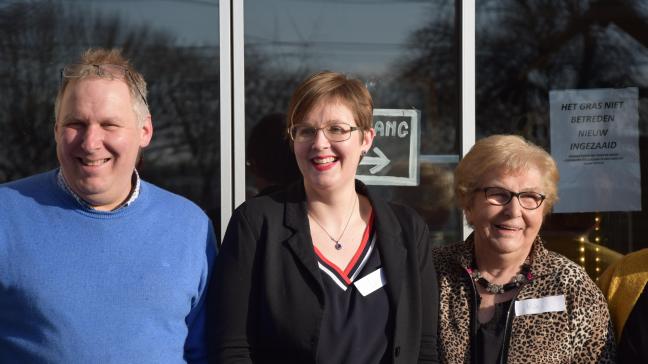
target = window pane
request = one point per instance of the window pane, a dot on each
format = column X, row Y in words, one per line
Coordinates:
column 179, row 60
column 405, row 51
column 525, row 50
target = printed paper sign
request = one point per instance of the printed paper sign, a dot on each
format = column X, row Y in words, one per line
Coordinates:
column 595, row 141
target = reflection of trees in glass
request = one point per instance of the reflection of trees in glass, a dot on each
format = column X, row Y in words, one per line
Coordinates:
column 527, row 48
column 38, row 37
column 424, row 77
column 429, row 68
column 524, row 50
column 185, row 155
column 26, row 74
column 268, row 84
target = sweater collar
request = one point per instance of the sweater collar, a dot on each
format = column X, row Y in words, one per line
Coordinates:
column 63, row 184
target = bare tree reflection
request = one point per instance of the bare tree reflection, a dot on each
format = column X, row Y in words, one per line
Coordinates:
column 525, row 49
column 430, row 69
column 545, row 45
column 267, row 86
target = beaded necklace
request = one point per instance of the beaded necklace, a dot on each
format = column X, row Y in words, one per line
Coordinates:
column 522, row 277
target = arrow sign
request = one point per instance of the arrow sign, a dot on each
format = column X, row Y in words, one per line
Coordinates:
column 397, row 135
column 379, row 162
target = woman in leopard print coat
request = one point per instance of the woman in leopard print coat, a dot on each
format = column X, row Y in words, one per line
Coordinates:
column 504, row 298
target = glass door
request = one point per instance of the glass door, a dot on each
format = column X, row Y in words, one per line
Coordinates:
column 405, row 52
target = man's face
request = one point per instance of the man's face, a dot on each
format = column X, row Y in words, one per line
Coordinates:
column 98, row 140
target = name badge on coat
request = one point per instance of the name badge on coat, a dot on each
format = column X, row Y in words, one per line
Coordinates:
column 540, row 305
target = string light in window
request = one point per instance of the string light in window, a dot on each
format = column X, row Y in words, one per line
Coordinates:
column 597, row 239
column 581, row 251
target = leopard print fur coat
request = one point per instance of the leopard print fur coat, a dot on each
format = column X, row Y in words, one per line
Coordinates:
column 582, row 333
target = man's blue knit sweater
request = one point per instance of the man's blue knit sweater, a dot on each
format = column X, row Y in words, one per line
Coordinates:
column 84, row 286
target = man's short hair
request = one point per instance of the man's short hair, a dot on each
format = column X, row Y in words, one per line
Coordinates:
column 108, row 64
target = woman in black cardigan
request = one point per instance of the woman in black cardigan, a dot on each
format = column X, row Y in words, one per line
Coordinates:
column 323, row 272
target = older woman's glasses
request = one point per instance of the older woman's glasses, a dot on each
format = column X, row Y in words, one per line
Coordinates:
column 335, row 132
column 105, row 70
column 500, row 196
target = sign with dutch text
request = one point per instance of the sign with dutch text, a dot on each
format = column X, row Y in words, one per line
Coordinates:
column 595, row 141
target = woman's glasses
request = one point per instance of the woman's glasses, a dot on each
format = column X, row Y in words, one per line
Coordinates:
column 335, row 132
column 500, row 196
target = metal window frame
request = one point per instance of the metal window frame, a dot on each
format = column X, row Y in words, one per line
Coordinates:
column 466, row 21
column 226, row 85
column 232, row 110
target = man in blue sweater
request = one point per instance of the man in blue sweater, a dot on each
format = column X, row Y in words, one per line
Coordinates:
column 97, row 265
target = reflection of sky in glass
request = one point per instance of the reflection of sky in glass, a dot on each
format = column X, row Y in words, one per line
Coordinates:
column 350, row 36
column 191, row 22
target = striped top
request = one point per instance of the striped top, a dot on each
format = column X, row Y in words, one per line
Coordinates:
column 357, row 321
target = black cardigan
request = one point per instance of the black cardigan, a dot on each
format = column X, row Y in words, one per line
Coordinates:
column 267, row 299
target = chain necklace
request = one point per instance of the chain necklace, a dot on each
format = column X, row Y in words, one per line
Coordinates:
column 523, row 276
column 338, row 246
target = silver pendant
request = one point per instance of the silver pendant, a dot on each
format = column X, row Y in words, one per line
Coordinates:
column 338, row 246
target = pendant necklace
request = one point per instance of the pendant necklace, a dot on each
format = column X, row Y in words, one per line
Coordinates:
column 337, row 245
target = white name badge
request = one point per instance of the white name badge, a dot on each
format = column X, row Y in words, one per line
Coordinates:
column 539, row 305
column 371, row 282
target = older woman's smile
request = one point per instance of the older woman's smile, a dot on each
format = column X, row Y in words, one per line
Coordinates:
column 508, row 227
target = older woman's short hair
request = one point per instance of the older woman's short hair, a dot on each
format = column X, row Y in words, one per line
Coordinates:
column 511, row 154
column 334, row 86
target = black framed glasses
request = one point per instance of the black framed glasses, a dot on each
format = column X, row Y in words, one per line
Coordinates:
column 105, row 70
column 334, row 132
column 500, row 196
